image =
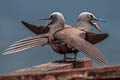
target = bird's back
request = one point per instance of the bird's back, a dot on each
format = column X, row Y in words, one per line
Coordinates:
column 58, row 45
column 70, row 32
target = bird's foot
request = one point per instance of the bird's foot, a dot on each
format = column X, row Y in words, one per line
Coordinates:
column 67, row 59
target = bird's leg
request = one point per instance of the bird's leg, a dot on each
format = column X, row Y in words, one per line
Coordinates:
column 57, row 42
column 64, row 57
column 75, row 56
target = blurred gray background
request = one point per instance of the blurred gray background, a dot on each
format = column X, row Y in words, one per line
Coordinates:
column 11, row 29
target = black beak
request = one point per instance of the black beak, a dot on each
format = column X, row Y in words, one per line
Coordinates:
column 96, row 19
column 45, row 19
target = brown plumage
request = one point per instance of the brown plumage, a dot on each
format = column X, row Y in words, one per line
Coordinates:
column 91, row 37
column 36, row 29
column 62, row 43
column 73, row 37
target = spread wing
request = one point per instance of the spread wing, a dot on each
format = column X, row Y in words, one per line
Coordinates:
column 35, row 29
column 27, row 43
column 94, row 38
column 83, row 46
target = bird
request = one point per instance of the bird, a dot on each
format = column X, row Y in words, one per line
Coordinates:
column 71, row 39
column 84, row 21
column 91, row 37
column 34, row 41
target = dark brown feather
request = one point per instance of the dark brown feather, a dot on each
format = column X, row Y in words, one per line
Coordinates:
column 94, row 38
column 35, row 29
column 91, row 37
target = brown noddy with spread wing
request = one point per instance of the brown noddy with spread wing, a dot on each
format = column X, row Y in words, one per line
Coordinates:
column 34, row 41
column 66, row 40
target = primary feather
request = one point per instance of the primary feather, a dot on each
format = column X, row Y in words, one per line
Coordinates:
column 26, row 43
column 75, row 38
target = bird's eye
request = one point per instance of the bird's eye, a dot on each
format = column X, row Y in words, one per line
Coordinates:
column 51, row 16
column 91, row 16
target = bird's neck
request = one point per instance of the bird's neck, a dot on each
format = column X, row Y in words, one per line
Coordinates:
column 56, row 26
column 86, row 26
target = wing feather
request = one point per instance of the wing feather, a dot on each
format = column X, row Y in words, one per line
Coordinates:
column 26, row 44
column 82, row 45
column 35, row 29
column 88, row 49
column 94, row 38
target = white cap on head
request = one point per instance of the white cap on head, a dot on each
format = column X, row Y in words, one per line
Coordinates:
column 86, row 13
column 59, row 14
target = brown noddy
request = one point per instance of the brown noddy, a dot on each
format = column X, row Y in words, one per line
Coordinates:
column 34, row 41
column 66, row 40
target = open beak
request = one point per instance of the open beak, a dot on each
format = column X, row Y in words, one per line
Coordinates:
column 96, row 26
column 45, row 26
column 45, row 19
column 49, row 21
column 96, row 19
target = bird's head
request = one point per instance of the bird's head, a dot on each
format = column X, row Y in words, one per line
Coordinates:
column 88, row 17
column 53, row 18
